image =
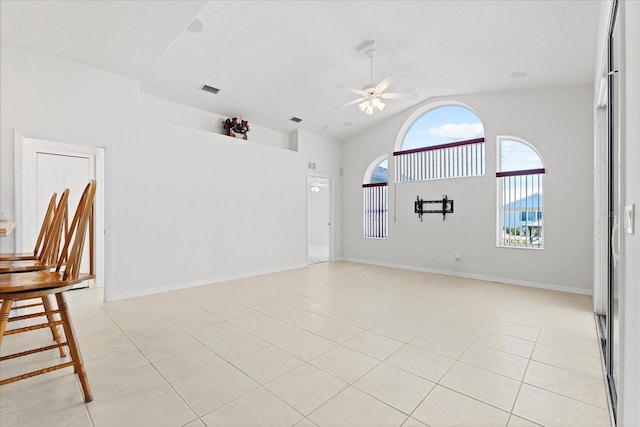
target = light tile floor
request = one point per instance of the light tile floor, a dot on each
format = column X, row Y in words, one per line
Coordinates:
column 334, row 344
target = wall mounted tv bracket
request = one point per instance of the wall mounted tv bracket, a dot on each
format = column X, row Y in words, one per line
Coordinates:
column 446, row 206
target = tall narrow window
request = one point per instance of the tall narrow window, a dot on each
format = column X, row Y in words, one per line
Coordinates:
column 520, row 194
column 445, row 142
column 375, row 200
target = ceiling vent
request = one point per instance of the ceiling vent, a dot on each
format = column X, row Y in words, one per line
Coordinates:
column 295, row 119
column 211, row 89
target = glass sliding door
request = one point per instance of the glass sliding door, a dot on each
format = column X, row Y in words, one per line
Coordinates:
column 615, row 197
column 610, row 119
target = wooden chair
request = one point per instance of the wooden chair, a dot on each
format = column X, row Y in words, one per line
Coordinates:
column 23, row 286
column 47, row 245
column 43, row 236
column 47, row 258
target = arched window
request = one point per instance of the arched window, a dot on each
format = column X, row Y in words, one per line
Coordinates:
column 444, row 142
column 520, row 194
column 375, row 200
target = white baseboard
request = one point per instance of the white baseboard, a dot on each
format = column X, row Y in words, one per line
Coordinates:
column 526, row 283
column 186, row 285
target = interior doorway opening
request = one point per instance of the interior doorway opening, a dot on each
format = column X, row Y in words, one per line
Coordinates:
column 45, row 166
column 319, row 219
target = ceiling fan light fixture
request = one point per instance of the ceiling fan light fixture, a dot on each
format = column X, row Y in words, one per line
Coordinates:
column 368, row 106
column 376, row 102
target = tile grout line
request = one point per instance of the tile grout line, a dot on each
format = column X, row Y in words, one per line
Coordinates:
column 515, row 401
column 169, row 385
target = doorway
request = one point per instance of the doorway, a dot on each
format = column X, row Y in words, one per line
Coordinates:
column 319, row 219
column 44, row 166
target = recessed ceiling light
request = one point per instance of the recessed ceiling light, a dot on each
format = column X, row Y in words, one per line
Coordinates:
column 295, row 119
column 518, row 74
column 210, row 89
column 195, row 26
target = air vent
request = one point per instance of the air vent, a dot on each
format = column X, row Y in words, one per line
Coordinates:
column 295, row 119
column 207, row 88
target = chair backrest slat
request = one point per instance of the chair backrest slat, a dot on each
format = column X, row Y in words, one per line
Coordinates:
column 51, row 251
column 70, row 229
column 79, row 230
column 46, row 224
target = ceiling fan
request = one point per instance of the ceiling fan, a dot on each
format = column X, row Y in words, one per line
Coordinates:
column 371, row 95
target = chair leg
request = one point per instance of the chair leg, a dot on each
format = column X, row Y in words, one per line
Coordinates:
column 4, row 316
column 74, row 349
column 54, row 329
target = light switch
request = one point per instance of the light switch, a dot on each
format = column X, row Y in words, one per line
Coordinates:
column 629, row 214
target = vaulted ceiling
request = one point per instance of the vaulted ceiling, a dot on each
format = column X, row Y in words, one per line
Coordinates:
column 273, row 60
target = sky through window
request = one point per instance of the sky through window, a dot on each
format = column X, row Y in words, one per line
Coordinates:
column 517, row 156
column 443, row 125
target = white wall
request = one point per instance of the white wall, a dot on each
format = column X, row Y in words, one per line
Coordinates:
column 173, row 192
column 57, row 98
column 155, row 108
column 559, row 123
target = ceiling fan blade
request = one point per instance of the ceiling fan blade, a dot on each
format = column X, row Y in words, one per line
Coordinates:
column 355, row 101
column 384, row 84
column 391, row 95
column 350, row 89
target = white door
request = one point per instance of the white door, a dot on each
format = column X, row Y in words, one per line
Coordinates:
column 49, row 167
column 54, row 173
column 319, row 217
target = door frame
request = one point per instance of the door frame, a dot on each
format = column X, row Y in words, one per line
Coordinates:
column 310, row 176
column 615, row 205
column 608, row 202
column 26, row 145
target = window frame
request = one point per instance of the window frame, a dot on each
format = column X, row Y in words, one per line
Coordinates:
column 500, row 175
column 382, row 213
column 445, row 149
